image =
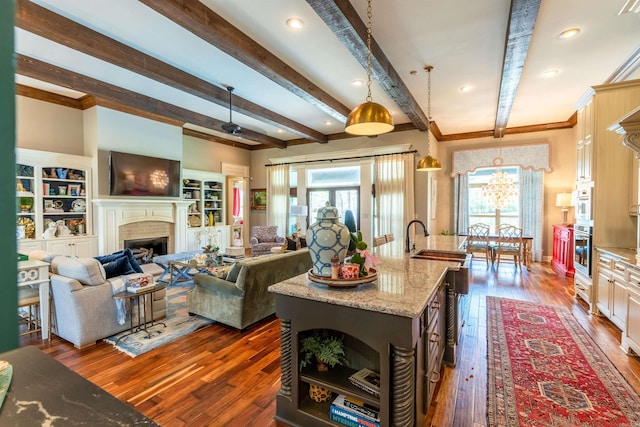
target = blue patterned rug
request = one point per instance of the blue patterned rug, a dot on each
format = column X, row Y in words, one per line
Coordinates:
column 178, row 322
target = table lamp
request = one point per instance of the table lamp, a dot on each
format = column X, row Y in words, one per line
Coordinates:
column 299, row 211
column 563, row 201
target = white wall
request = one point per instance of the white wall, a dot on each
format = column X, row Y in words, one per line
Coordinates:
column 48, row 127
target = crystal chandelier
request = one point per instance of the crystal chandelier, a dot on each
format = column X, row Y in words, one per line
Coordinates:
column 500, row 190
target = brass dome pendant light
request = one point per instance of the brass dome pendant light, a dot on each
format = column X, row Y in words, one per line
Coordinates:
column 428, row 163
column 369, row 118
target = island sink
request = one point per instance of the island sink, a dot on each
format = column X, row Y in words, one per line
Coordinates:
column 461, row 277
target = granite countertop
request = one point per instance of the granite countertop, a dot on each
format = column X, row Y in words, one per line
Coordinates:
column 626, row 255
column 404, row 284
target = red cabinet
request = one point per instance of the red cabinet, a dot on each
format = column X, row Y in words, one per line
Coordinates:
column 563, row 249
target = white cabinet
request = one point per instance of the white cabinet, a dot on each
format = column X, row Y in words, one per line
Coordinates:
column 221, row 233
column 53, row 195
column 80, row 247
column 612, row 289
column 631, row 335
column 584, row 163
column 207, row 191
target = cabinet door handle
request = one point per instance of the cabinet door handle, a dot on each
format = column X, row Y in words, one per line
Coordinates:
column 435, row 337
column 435, row 305
column 435, row 377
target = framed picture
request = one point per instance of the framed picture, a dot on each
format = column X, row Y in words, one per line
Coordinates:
column 259, row 199
column 74, row 189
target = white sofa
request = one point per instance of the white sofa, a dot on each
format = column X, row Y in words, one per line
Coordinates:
column 83, row 308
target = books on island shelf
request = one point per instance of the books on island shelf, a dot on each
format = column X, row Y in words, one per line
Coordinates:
column 351, row 419
column 367, row 380
column 139, row 282
column 357, row 407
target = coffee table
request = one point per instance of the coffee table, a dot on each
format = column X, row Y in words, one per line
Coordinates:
column 141, row 297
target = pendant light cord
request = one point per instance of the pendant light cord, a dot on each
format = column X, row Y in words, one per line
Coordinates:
column 369, row 30
column 428, row 69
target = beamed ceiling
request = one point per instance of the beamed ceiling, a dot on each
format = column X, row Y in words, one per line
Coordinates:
column 172, row 60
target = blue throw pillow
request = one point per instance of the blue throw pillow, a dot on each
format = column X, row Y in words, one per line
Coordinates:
column 118, row 267
column 116, row 255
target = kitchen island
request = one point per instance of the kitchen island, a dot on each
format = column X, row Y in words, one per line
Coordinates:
column 395, row 326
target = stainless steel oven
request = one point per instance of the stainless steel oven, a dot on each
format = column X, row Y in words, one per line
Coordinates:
column 583, row 205
column 582, row 248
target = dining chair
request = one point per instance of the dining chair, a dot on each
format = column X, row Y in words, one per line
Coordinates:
column 509, row 243
column 379, row 240
column 478, row 240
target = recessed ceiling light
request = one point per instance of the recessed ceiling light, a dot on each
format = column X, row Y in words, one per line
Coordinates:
column 280, row 131
column 357, row 82
column 328, row 122
column 569, row 33
column 466, row 88
column 550, row 73
column 295, row 23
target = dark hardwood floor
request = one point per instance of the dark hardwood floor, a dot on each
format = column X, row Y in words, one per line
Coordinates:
column 221, row 377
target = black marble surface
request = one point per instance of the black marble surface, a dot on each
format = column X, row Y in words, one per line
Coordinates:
column 44, row 392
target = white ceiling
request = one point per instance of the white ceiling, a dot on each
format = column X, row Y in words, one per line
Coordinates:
column 464, row 40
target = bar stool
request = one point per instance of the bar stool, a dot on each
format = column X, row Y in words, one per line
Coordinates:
column 29, row 301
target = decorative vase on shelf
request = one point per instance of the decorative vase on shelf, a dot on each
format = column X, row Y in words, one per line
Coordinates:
column 327, row 238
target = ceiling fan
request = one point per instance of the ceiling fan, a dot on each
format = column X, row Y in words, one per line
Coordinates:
column 230, row 127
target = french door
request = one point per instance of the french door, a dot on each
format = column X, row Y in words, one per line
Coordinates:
column 343, row 198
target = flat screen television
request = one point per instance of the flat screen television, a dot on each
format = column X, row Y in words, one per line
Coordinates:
column 136, row 175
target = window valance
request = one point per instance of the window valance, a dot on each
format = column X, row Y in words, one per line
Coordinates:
column 528, row 156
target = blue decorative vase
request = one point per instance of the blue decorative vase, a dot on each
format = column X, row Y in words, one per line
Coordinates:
column 327, row 238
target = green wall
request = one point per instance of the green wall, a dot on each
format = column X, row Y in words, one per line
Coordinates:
column 8, row 288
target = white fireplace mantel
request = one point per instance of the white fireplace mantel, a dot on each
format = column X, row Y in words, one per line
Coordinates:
column 110, row 214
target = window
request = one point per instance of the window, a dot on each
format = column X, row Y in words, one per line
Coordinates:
column 340, row 186
column 479, row 208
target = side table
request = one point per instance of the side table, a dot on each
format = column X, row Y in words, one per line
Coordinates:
column 143, row 322
column 35, row 274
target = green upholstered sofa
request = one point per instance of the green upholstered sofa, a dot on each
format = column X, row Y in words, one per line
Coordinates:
column 241, row 302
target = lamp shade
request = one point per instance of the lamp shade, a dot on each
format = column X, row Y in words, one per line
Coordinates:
column 563, row 200
column 298, row 210
column 429, row 163
column 368, row 119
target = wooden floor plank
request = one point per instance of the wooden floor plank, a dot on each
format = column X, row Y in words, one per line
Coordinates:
column 218, row 376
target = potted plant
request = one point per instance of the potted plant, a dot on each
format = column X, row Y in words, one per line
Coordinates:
column 26, row 203
column 324, row 348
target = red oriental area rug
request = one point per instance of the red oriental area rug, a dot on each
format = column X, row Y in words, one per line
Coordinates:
column 545, row 370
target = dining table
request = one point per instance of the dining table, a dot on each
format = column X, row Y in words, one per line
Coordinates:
column 527, row 243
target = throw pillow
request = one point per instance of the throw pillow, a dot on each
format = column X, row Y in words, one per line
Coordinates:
column 125, row 252
column 87, row 271
column 232, row 276
column 118, row 267
column 293, row 244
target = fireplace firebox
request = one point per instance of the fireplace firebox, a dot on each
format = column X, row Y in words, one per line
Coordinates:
column 145, row 249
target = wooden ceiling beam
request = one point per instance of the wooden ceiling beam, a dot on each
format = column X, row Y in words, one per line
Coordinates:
column 344, row 21
column 211, row 27
column 45, row 23
column 522, row 19
column 40, row 70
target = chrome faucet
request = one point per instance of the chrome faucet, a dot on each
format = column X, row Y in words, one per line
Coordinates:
column 424, row 227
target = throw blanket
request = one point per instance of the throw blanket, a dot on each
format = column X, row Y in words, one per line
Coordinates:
column 119, row 284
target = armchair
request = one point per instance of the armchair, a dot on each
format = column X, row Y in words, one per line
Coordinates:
column 263, row 238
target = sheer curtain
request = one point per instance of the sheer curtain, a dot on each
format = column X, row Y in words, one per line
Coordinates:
column 461, row 203
column 531, row 199
column 278, row 197
column 393, row 179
